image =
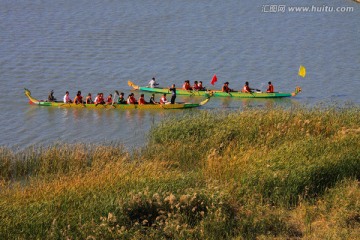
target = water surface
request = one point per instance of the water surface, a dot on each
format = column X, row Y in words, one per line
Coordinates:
column 97, row 46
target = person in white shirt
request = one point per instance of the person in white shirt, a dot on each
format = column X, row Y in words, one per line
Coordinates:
column 67, row 98
column 153, row 83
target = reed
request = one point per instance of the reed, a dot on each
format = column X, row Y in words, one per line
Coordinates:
column 279, row 173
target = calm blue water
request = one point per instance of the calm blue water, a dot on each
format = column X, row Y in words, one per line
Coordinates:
column 99, row 45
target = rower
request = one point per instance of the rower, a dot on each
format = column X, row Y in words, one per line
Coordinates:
column 131, row 99
column 226, row 88
column 163, row 99
column 99, row 99
column 121, row 99
column 51, row 97
column 109, row 99
column 142, row 100
column 88, row 99
column 186, row 85
column 196, row 85
column 78, row 98
column 200, row 86
column 246, row 88
column 153, row 83
column 152, row 99
column 270, row 88
column 67, row 98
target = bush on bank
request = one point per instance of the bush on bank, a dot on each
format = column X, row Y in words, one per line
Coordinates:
column 252, row 174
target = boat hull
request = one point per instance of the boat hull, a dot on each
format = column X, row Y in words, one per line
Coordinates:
column 218, row 93
column 115, row 106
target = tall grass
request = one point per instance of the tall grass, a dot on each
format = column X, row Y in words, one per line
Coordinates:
column 253, row 174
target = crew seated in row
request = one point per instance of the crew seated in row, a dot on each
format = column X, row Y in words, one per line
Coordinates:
column 197, row 86
column 118, row 98
column 246, row 88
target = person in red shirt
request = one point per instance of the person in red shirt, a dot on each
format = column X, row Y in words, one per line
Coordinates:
column 200, row 86
column 142, row 100
column 99, row 99
column 196, row 85
column 109, row 99
column 246, row 88
column 186, row 85
column 78, row 98
column 270, row 88
column 226, row 88
column 131, row 99
column 163, row 99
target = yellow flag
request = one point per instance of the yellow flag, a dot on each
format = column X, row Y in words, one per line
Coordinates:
column 302, row 71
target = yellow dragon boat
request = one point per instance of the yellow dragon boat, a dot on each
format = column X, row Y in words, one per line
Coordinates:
column 61, row 104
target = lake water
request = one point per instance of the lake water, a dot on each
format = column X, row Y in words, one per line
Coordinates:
column 97, row 46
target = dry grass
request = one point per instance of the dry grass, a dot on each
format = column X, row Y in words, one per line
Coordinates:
column 255, row 174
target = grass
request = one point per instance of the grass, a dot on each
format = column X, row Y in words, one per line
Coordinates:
column 256, row 174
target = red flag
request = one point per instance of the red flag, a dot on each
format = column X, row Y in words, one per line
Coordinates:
column 214, row 79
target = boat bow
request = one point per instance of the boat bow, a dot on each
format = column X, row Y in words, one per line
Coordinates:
column 28, row 94
column 133, row 85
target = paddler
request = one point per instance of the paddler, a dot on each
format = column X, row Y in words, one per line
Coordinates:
column 78, row 98
column 88, row 99
column 270, row 88
column 226, row 88
column 163, row 99
column 51, row 97
column 153, row 83
column 186, row 85
column 121, row 99
column 109, row 99
column 246, row 88
column 67, row 98
column 142, row 100
column 152, row 99
column 131, row 99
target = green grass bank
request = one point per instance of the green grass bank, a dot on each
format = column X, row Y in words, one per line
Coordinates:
column 256, row 174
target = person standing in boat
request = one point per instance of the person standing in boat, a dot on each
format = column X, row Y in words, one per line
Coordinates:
column 153, row 83
column 51, row 97
column 270, row 88
column 226, row 88
column 67, row 98
column 173, row 94
column 163, row 99
column 78, row 98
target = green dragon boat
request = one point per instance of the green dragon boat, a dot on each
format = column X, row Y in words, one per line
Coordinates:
column 33, row 100
column 217, row 93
